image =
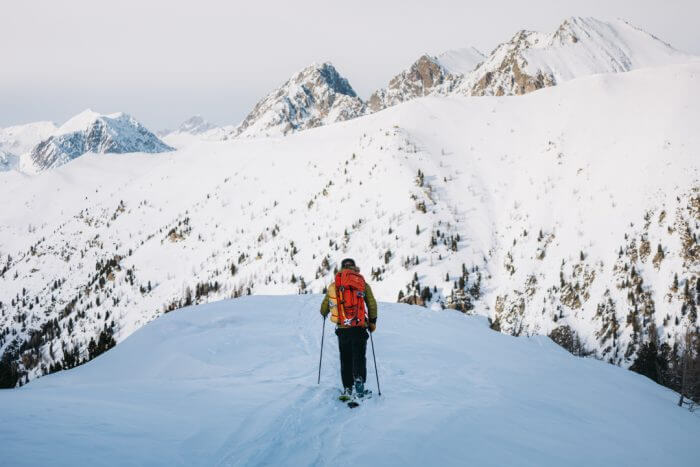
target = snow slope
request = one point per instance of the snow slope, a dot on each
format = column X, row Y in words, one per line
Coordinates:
column 461, row 61
column 234, row 383
column 538, row 211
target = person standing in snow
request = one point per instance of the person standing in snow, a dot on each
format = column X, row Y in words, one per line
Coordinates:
column 353, row 309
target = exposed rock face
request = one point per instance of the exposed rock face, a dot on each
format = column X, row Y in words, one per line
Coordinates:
column 92, row 132
column 502, row 74
column 317, row 95
column 425, row 76
column 508, row 77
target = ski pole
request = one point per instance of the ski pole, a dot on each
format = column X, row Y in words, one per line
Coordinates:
column 323, row 334
column 376, row 372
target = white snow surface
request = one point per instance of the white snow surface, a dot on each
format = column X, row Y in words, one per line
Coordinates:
column 235, row 383
column 586, row 163
column 460, row 61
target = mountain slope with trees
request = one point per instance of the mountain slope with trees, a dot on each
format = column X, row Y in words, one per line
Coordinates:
column 572, row 212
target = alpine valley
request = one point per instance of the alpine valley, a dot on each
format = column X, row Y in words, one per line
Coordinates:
column 551, row 185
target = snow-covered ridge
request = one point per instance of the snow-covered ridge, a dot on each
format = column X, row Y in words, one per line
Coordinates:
column 90, row 131
column 234, row 383
column 315, row 96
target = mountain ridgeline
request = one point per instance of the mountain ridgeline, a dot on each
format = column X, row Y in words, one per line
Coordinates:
column 530, row 60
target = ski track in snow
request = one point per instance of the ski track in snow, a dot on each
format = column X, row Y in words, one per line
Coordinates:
column 233, row 383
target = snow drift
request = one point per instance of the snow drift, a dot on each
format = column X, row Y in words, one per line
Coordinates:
column 234, row 383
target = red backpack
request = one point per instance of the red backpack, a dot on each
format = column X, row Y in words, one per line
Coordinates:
column 350, row 293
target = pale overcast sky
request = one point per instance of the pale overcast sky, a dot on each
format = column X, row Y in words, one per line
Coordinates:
column 163, row 61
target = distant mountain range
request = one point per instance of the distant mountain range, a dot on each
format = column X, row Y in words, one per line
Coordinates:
column 39, row 146
column 319, row 95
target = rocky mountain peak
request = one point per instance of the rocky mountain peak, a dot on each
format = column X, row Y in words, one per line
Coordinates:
column 423, row 77
column 315, row 96
column 90, row 131
column 578, row 47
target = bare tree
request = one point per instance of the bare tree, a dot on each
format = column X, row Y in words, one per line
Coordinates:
column 690, row 369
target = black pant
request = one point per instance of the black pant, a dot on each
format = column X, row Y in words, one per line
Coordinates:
column 352, row 343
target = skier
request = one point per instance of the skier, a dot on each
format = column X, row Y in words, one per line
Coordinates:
column 354, row 311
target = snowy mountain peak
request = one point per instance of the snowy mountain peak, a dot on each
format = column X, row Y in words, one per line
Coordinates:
column 90, row 131
column 579, row 47
column 195, row 125
column 315, row 96
column 325, row 74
